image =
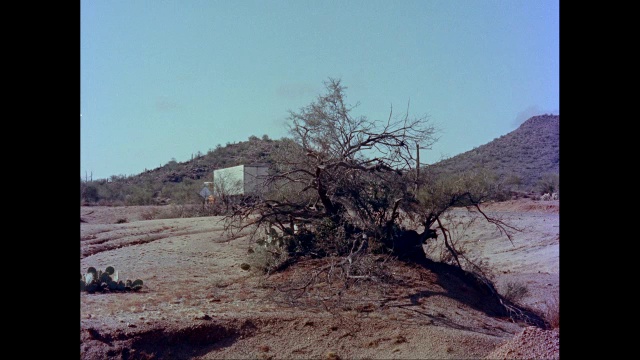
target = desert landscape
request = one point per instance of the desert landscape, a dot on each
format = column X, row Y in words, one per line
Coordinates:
column 199, row 302
column 285, row 180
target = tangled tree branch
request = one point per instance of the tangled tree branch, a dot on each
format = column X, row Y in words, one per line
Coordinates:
column 343, row 185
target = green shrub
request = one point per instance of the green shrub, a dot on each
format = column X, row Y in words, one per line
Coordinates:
column 548, row 183
column 90, row 193
column 139, row 196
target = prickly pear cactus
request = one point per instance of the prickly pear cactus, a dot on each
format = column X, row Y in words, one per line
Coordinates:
column 105, row 278
column 97, row 280
column 113, row 286
column 136, row 285
column 89, row 277
column 91, row 288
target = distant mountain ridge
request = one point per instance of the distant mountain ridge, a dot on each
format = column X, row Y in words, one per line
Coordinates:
column 520, row 159
column 523, row 155
column 254, row 150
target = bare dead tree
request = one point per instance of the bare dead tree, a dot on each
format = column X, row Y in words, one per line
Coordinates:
column 351, row 182
column 440, row 193
column 344, row 187
column 348, row 170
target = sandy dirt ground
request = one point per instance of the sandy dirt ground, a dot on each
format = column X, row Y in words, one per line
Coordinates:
column 198, row 303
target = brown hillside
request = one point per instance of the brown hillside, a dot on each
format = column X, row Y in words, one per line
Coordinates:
column 522, row 156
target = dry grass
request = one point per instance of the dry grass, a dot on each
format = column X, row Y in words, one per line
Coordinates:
column 332, row 356
column 514, row 291
column 174, row 212
column 263, row 261
column 149, row 214
column 551, row 312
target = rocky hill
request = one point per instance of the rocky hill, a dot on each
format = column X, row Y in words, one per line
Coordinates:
column 254, row 150
column 523, row 158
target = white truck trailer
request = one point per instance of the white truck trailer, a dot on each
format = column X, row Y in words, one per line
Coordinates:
column 244, row 180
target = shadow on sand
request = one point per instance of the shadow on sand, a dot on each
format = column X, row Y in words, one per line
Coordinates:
column 473, row 290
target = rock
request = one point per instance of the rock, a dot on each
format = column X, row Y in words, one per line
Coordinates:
column 203, row 317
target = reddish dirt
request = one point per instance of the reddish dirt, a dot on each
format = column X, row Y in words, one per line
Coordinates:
column 198, row 303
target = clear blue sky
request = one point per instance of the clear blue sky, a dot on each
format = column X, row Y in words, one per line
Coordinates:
column 163, row 79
